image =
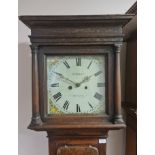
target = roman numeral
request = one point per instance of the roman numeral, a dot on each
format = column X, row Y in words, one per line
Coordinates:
column 78, row 108
column 98, row 96
column 57, row 96
column 98, row 73
column 66, row 105
column 78, row 61
column 90, row 105
column 100, row 84
column 55, row 85
column 66, row 64
column 89, row 65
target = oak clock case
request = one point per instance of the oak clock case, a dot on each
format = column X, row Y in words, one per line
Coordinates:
column 76, row 89
column 75, row 84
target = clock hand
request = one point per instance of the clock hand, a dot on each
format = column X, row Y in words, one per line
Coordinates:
column 87, row 78
column 63, row 77
column 69, row 80
column 58, row 74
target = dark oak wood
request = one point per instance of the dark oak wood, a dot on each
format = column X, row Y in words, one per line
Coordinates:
column 73, row 50
column 77, row 150
column 132, row 9
column 117, row 87
column 76, row 35
column 36, row 120
column 84, row 145
column 76, row 30
column 130, row 102
column 131, row 132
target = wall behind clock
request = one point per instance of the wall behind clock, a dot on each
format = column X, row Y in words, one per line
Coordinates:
column 34, row 143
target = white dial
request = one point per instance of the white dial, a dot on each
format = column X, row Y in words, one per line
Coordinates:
column 76, row 84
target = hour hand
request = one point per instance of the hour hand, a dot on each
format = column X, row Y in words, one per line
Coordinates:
column 59, row 74
column 66, row 79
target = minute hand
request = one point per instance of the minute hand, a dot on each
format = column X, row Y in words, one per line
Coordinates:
column 87, row 78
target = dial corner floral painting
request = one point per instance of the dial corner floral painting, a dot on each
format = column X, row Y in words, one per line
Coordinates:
column 76, row 84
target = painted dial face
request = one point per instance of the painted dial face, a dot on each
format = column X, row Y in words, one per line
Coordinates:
column 76, row 84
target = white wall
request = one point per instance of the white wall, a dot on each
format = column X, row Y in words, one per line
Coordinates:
column 35, row 143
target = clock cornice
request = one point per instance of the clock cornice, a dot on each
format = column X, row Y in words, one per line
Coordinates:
column 41, row 21
column 73, row 30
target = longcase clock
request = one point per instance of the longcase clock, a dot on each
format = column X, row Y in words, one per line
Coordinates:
column 76, row 89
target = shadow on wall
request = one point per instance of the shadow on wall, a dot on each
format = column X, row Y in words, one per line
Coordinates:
column 30, row 142
column 24, row 87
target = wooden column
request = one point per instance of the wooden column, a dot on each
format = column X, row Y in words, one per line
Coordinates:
column 117, row 86
column 36, row 120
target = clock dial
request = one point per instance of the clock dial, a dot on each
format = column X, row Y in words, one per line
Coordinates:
column 76, row 84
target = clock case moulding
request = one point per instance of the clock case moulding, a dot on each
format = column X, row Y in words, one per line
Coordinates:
column 72, row 35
